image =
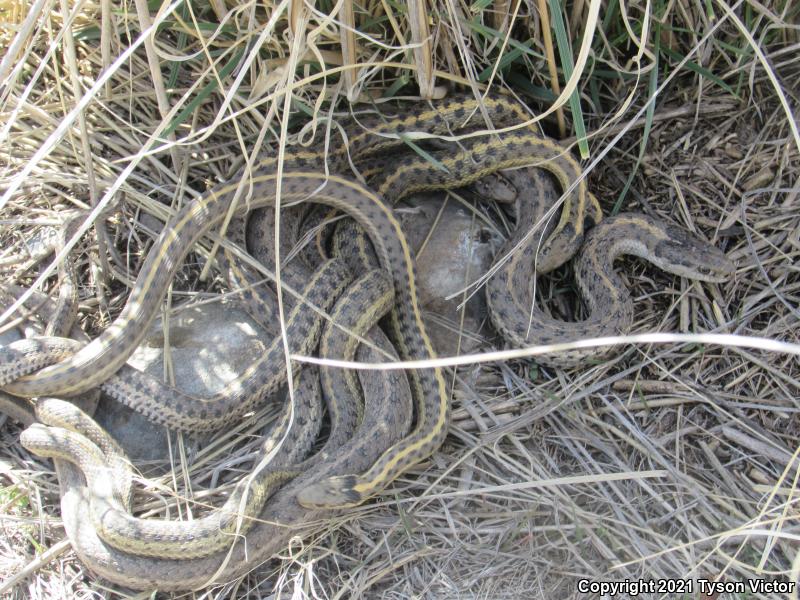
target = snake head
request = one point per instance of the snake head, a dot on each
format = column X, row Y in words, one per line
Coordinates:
column 684, row 254
column 333, row 492
column 495, row 186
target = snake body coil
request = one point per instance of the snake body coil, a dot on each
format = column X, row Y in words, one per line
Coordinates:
column 101, row 362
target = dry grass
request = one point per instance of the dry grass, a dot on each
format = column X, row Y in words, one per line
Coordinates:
column 671, row 461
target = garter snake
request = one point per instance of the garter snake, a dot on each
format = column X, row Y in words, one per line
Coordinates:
column 59, row 437
column 383, row 424
column 510, row 300
column 509, row 291
column 369, row 298
column 100, row 359
column 104, row 356
column 109, row 351
column 516, row 316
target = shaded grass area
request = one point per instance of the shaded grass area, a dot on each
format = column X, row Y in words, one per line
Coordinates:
column 673, row 461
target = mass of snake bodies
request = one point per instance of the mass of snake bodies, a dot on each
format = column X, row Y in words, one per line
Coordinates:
column 369, row 444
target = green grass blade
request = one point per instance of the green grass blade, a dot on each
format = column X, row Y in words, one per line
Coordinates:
column 567, row 64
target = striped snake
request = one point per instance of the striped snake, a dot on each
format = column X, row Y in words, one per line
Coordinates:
column 100, row 361
column 383, row 423
column 369, row 299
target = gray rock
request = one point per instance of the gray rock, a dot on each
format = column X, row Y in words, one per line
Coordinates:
column 454, row 254
column 209, row 346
